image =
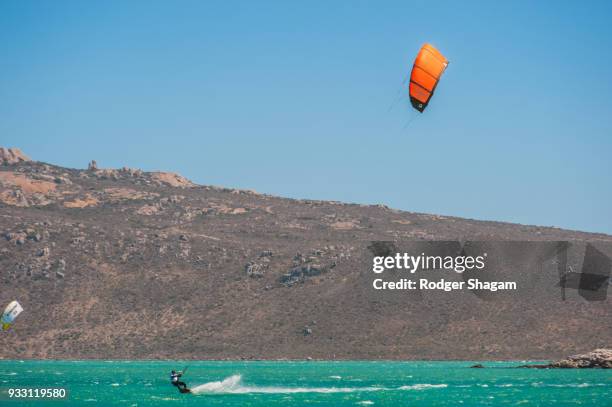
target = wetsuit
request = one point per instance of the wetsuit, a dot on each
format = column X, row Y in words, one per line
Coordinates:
column 174, row 378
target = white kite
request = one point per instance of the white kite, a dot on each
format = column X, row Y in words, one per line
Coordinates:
column 10, row 313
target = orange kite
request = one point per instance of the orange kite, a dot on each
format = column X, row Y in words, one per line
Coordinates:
column 429, row 66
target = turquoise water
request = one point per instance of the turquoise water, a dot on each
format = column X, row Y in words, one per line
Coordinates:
column 146, row 383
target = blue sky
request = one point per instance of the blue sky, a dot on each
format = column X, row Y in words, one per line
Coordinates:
column 292, row 99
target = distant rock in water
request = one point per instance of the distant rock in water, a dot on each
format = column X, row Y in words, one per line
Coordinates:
column 477, row 366
column 10, row 156
column 599, row 358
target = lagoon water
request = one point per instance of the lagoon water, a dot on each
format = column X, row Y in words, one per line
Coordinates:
column 146, row 383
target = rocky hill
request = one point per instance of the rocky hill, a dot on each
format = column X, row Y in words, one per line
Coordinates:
column 121, row 263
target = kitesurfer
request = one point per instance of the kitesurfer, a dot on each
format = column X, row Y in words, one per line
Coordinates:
column 175, row 379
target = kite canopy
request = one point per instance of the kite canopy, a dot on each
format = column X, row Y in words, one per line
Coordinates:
column 10, row 313
column 429, row 66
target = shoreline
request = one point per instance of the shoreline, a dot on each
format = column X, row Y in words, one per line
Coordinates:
column 283, row 360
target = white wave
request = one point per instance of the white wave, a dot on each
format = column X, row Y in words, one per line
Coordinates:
column 423, row 386
column 335, row 377
column 576, row 385
column 233, row 385
column 579, row 385
column 537, row 384
column 365, row 403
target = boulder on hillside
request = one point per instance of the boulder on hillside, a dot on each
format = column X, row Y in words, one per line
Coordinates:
column 171, row 179
column 10, row 156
